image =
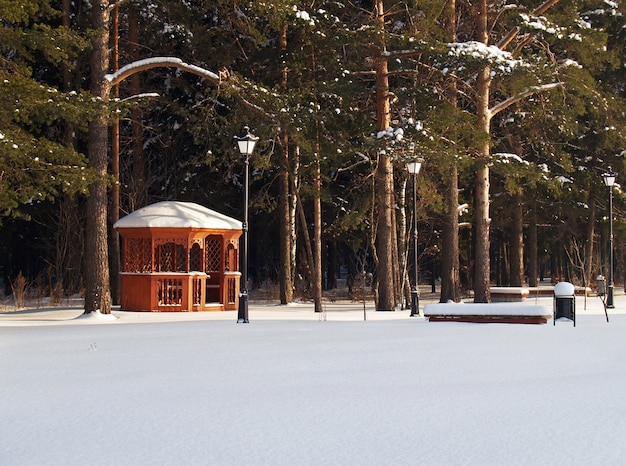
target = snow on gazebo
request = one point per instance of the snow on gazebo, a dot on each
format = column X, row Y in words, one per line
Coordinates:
column 179, row 256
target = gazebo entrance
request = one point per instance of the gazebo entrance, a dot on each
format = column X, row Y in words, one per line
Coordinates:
column 179, row 256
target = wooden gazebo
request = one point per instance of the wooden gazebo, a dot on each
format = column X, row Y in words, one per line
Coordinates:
column 179, row 256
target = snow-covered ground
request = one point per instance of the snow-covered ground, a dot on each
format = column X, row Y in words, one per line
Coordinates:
column 297, row 388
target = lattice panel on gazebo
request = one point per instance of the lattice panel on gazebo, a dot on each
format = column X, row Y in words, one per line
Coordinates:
column 197, row 291
column 231, row 286
column 213, row 252
column 171, row 257
column 230, row 261
column 195, row 259
column 138, row 257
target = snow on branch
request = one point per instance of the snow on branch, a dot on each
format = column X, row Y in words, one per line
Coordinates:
column 140, row 96
column 159, row 62
column 475, row 50
column 513, row 33
column 522, row 95
column 173, row 62
column 116, row 4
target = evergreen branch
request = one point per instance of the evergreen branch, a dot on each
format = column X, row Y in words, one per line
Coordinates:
column 506, row 40
column 522, row 44
column 364, row 160
column 522, row 95
column 512, row 34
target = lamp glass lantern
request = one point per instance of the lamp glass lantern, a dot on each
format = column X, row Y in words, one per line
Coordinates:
column 609, row 178
column 414, row 167
column 246, row 142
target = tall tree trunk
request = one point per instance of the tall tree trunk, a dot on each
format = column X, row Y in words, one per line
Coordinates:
column 450, row 266
column 285, row 226
column 97, row 285
column 589, row 240
column 533, row 249
column 139, row 194
column 114, row 206
column 517, row 243
column 285, row 273
column 293, row 172
column 305, row 231
column 483, row 84
column 317, row 216
column 384, row 180
column 395, row 257
column 403, row 236
column 317, row 237
column 384, row 235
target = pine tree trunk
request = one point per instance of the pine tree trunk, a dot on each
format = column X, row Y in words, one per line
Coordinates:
column 97, row 287
column 589, row 240
column 533, row 249
column 482, row 259
column 284, row 273
column 395, row 257
column 402, row 243
column 482, row 268
column 114, row 206
column 294, row 170
column 517, row 243
column 317, row 238
column 384, row 181
column 384, row 239
column 450, row 266
column 139, row 194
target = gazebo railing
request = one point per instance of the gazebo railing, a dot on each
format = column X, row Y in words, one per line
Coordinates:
column 170, row 292
column 197, row 285
column 231, row 284
column 180, row 291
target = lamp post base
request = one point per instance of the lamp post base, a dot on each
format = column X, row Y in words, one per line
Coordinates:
column 415, row 310
column 609, row 298
column 242, row 314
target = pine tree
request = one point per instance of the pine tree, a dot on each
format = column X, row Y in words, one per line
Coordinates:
column 36, row 164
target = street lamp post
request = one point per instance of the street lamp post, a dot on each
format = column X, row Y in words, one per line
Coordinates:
column 414, row 168
column 245, row 143
column 609, row 180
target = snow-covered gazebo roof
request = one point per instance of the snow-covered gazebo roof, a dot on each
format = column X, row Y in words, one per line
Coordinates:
column 175, row 214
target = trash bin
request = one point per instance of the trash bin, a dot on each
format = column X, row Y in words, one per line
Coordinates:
column 564, row 302
column 600, row 285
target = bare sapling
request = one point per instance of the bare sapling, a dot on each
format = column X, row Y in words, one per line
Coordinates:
column 19, row 286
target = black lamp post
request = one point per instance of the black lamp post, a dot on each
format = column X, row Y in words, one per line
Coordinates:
column 609, row 181
column 245, row 143
column 414, row 168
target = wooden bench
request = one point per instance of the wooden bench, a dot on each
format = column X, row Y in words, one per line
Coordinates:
column 515, row 294
column 487, row 313
column 508, row 294
column 549, row 291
